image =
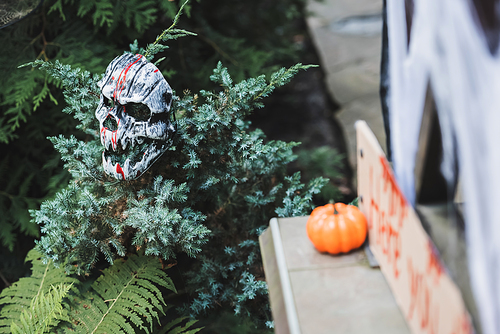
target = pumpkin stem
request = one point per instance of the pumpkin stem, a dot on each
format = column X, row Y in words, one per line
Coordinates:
column 335, row 212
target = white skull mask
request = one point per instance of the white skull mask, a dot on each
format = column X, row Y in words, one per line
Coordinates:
column 134, row 116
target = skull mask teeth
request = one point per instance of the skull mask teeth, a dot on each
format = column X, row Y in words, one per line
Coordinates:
column 134, row 116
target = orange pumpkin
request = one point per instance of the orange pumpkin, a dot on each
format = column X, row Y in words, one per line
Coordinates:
column 336, row 228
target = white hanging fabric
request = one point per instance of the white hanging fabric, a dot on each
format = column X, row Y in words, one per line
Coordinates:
column 449, row 52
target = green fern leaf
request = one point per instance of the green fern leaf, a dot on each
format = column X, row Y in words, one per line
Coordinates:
column 18, row 298
column 103, row 14
column 85, row 7
column 126, row 297
column 176, row 327
column 18, row 95
column 140, row 13
column 44, row 312
column 38, row 98
column 170, row 8
column 57, row 6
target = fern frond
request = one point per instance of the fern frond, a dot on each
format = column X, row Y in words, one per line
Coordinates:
column 57, row 7
column 126, row 297
column 176, row 327
column 140, row 13
column 17, row 97
column 103, row 14
column 45, row 310
column 17, row 298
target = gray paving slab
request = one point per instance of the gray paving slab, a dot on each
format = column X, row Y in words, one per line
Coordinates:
column 338, row 51
column 347, row 36
column 344, row 300
column 329, row 10
column 354, row 82
column 367, row 108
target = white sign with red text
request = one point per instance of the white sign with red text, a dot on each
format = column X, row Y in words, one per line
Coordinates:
column 429, row 300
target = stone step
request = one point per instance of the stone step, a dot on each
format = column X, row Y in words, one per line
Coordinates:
column 317, row 293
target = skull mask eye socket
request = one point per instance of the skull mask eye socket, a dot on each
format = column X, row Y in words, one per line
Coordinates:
column 108, row 102
column 139, row 111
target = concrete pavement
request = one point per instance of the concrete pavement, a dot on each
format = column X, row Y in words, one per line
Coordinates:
column 347, row 36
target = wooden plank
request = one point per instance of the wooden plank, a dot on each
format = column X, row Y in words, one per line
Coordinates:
column 428, row 298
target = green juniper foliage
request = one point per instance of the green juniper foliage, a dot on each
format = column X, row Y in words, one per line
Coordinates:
column 209, row 196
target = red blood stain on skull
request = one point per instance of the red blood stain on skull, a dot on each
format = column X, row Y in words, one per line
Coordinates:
column 103, row 133
column 120, row 84
column 119, row 170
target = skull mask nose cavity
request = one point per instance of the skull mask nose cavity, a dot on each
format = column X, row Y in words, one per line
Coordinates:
column 110, row 123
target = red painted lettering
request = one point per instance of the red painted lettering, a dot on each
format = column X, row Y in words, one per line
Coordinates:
column 463, row 325
column 434, row 266
column 421, row 301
